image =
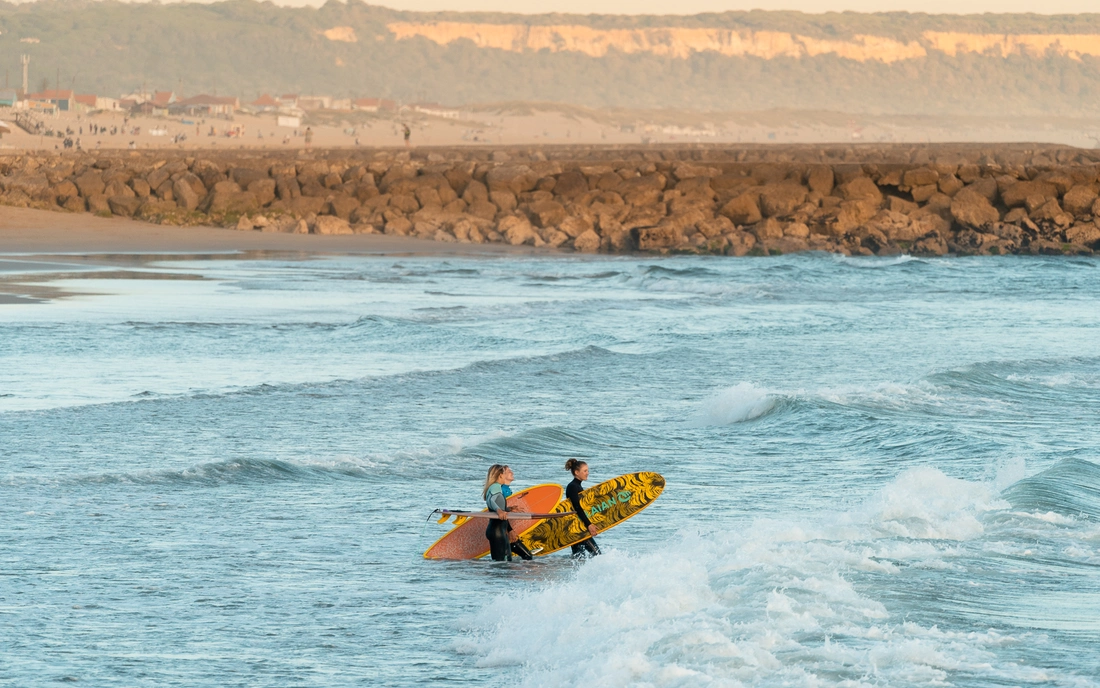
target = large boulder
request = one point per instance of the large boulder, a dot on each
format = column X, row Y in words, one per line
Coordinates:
column 263, row 189
column 428, row 196
column 575, row 225
column 690, row 171
column 570, row 184
column 343, row 206
column 853, row 214
column 662, row 236
column 306, row 205
column 715, row 227
column 589, row 242
column 399, row 226
column 512, row 178
column 518, row 231
column 1017, row 194
column 482, row 209
column 90, row 183
column 230, row 201
column 125, row 206
column 922, row 176
column 645, row 216
column 1079, row 199
column 505, row 200
column 546, row 213
column 986, row 187
column 475, row 191
column 971, row 209
column 406, row 203
column 950, row 184
column 1051, row 211
column 153, row 209
column 780, row 200
column 141, row 188
column 820, row 179
column 742, row 210
column 1085, row 234
column 330, row 224
column 770, row 228
column 897, row 227
column 244, row 176
column 117, row 187
column 287, row 188
column 97, row 204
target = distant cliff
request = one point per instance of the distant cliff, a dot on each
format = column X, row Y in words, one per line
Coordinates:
column 882, row 63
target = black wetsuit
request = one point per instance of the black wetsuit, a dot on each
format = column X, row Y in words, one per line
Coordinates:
column 573, row 494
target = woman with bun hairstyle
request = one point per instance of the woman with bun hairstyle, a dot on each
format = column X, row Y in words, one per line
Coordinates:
column 579, row 469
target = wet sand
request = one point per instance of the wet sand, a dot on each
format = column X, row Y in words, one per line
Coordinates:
column 39, row 246
column 45, row 233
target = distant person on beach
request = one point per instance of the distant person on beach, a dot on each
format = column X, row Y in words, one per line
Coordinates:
column 408, row 134
column 309, row 137
column 573, row 490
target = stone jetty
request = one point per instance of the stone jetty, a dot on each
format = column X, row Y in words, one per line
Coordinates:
column 755, row 200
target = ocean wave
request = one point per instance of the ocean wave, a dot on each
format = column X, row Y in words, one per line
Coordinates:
column 875, row 262
column 742, row 402
column 668, row 271
column 450, row 459
column 923, row 503
column 548, row 442
column 1070, row 487
column 233, row 471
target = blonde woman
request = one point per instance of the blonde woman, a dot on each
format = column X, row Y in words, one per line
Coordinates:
column 499, row 531
column 497, row 479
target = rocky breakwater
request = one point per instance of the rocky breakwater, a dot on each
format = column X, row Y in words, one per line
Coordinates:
column 732, row 202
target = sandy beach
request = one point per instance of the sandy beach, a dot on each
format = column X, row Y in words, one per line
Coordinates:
column 39, row 246
column 43, row 233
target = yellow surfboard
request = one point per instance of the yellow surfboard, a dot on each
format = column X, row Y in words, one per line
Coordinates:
column 607, row 505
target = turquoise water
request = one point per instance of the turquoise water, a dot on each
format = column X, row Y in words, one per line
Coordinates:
column 881, row 472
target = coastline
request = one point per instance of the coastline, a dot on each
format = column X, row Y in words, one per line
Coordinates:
column 869, row 199
column 28, row 232
column 38, row 247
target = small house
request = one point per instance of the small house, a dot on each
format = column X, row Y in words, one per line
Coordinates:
column 60, row 99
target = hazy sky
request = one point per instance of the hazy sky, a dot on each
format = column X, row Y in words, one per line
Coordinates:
column 695, row 6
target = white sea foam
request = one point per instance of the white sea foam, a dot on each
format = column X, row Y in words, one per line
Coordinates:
column 875, row 262
column 773, row 604
column 744, row 401
column 926, row 504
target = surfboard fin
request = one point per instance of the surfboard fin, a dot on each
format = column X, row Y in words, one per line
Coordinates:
column 459, row 520
column 444, row 518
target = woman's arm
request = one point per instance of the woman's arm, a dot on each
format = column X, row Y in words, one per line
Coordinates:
column 498, row 504
column 574, row 496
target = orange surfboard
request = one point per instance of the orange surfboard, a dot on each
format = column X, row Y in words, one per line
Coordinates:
column 467, row 540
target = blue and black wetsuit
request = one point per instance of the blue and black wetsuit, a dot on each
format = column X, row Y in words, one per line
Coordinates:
column 517, row 547
column 589, row 547
column 497, row 530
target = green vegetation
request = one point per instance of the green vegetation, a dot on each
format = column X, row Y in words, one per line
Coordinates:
column 244, row 48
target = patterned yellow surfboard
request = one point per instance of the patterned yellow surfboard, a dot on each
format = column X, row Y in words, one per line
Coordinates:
column 607, row 505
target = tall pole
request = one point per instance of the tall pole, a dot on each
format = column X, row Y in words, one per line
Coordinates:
column 26, row 60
